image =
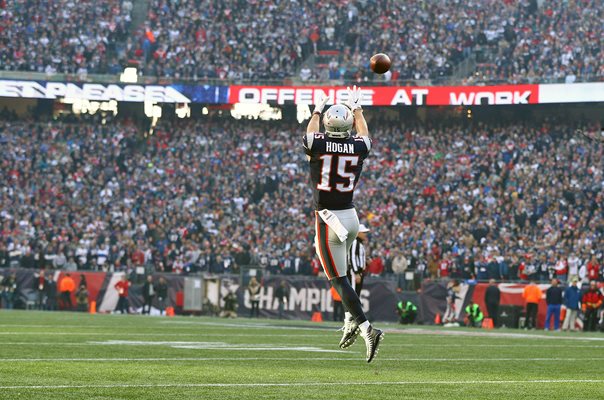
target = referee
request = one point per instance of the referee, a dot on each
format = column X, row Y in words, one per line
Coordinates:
column 357, row 260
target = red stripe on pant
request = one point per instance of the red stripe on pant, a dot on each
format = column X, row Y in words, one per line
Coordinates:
column 329, row 266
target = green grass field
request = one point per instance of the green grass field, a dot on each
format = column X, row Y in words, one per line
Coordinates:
column 81, row 356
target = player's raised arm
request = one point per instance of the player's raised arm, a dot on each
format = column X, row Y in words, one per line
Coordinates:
column 314, row 123
column 354, row 103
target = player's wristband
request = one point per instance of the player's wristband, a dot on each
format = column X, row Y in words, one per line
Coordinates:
column 316, row 112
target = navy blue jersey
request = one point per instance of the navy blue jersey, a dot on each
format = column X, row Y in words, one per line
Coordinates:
column 335, row 168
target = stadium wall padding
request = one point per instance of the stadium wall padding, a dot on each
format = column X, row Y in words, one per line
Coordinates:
column 307, row 294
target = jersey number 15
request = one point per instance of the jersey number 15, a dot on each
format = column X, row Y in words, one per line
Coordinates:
column 341, row 162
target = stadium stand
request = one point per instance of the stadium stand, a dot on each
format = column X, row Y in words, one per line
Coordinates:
column 74, row 37
column 495, row 40
column 430, row 41
column 216, row 193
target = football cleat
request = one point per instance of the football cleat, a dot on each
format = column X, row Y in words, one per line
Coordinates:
column 373, row 337
column 351, row 332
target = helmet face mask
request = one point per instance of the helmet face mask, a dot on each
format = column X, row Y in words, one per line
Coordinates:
column 338, row 121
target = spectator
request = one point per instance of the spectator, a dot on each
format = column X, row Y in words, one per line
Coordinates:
column 148, row 294
column 9, row 291
column 71, row 265
column 572, row 298
column 399, row 268
column 40, row 287
column 376, row 265
column 122, row 287
column 492, row 298
column 532, row 294
column 162, row 294
column 82, row 299
column 591, row 302
column 553, row 298
column 561, row 269
column 253, row 289
column 282, row 294
column 4, row 255
column 433, row 268
column 66, row 287
column 51, row 293
column 59, row 261
column 593, row 269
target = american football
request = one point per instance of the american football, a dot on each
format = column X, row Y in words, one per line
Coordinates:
column 380, row 63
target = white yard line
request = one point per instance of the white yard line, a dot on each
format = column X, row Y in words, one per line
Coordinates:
column 400, row 359
column 58, row 326
column 302, row 384
column 408, row 331
column 492, row 334
column 42, row 344
column 594, row 346
column 118, row 334
column 404, row 345
column 317, row 328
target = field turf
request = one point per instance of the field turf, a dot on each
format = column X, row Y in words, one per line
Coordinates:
column 81, row 356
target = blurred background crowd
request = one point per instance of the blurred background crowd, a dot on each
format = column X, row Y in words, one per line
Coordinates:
column 501, row 200
column 432, row 40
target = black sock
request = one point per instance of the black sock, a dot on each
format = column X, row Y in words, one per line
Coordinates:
column 350, row 300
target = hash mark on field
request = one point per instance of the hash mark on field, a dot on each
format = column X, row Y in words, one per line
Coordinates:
column 301, row 384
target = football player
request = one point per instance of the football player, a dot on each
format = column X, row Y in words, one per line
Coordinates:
column 336, row 161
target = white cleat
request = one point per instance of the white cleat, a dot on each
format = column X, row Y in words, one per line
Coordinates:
column 351, row 332
column 373, row 337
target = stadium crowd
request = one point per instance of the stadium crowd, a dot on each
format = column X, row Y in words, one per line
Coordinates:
column 224, row 39
column 64, row 36
column 512, row 40
column 509, row 201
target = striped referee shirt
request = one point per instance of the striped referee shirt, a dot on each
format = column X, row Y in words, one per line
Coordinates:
column 356, row 259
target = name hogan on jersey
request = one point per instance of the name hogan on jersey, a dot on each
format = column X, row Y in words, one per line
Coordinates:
column 332, row 147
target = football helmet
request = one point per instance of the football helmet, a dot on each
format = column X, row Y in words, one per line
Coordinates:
column 338, row 121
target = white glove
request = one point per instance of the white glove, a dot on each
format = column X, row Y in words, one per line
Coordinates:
column 321, row 102
column 354, row 98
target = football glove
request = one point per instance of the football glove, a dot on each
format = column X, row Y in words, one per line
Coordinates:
column 320, row 105
column 354, row 98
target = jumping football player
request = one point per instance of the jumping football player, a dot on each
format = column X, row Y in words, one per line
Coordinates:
column 336, row 160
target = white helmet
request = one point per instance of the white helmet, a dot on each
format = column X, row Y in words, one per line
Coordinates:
column 338, row 121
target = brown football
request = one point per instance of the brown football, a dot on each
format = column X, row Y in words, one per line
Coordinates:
column 380, row 63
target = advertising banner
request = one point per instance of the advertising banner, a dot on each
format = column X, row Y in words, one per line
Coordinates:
column 306, row 296
column 207, row 94
column 511, row 294
column 398, row 96
column 391, row 95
